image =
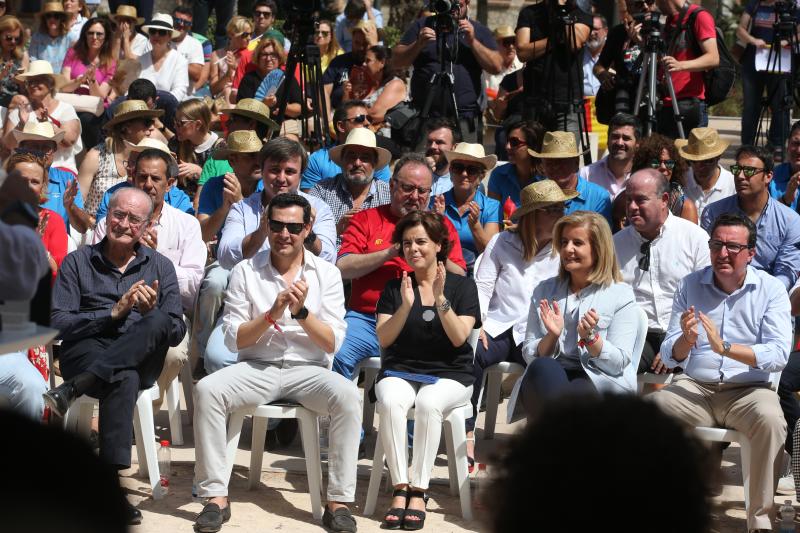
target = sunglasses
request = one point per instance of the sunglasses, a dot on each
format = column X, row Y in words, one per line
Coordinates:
column 269, row 55
column 511, row 41
column 276, row 226
column 732, row 247
column 12, row 39
column 186, row 23
column 96, row 34
column 245, row 35
column 407, row 188
column 264, row 14
column 160, row 33
column 51, row 15
column 472, row 170
column 515, row 143
column 748, row 172
column 669, row 163
column 322, row 33
column 358, row 119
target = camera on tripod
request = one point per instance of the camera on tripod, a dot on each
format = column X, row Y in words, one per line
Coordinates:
column 651, row 28
column 445, row 16
column 301, row 20
column 785, row 16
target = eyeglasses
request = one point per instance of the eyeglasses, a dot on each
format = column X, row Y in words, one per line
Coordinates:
column 264, row 14
column 358, row 119
column 322, row 33
column 350, row 156
column 748, row 172
column 407, row 188
column 276, row 226
column 733, row 247
column 669, row 163
column 269, row 55
column 133, row 220
column 182, row 122
column 96, row 34
column 186, row 23
column 160, row 33
column 472, row 170
column 12, row 39
column 515, row 143
column 509, row 42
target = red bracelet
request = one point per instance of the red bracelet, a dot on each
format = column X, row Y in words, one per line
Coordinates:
column 269, row 319
column 586, row 343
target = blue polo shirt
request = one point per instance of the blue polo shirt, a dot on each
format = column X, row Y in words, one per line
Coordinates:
column 320, row 167
column 174, row 197
column 780, row 179
column 490, row 212
column 591, row 197
column 503, row 181
column 57, row 182
column 211, row 196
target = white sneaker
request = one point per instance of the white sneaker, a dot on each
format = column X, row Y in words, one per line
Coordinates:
column 786, row 485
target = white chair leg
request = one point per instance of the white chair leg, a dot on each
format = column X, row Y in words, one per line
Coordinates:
column 257, row 450
column 459, row 436
column 368, row 415
column 375, row 477
column 492, row 401
column 174, row 411
column 745, row 450
column 310, row 435
column 146, row 442
column 451, row 459
column 188, row 389
column 234, row 432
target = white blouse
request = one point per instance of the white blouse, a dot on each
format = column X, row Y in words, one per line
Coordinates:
column 172, row 77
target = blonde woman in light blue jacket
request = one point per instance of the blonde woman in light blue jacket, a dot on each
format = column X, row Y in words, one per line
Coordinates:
column 583, row 323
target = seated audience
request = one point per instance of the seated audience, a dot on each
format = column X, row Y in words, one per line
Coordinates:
column 225, row 60
column 354, row 12
column 356, row 188
column 50, row 41
column 126, row 42
column 285, row 334
column 163, row 65
column 507, row 181
column 655, row 252
column 383, row 88
column 513, row 264
column 731, row 327
column 442, row 136
column 583, row 323
column 351, row 115
column 78, row 14
column 347, row 66
column 268, row 83
column 476, row 217
column 433, row 308
column 612, row 170
column 193, row 144
column 776, row 251
column 190, row 48
column 13, row 56
column 706, row 180
column 785, row 180
column 325, row 38
column 118, row 309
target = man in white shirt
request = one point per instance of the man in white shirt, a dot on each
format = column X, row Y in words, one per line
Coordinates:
column 610, row 172
column 442, row 136
column 655, row 252
column 177, row 236
column 706, row 181
column 190, row 48
column 591, row 53
column 284, row 314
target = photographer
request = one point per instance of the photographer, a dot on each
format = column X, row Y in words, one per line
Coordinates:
column 468, row 44
column 685, row 66
column 550, row 39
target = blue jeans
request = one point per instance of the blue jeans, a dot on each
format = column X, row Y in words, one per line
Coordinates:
column 546, row 379
column 218, row 356
column 21, row 385
column 360, row 342
column 210, row 298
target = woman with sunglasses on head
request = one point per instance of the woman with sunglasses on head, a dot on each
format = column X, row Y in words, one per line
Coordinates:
column 507, row 181
column 193, row 144
column 326, row 40
column 163, row 65
column 13, row 57
column 437, row 310
column 77, row 15
column 106, row 164
column 51, row 41
column 224, row 61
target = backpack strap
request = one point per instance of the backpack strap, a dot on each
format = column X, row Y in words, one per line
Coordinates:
column 680, row 28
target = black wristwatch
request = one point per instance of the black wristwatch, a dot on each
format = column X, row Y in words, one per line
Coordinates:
column 25, row 212
column 302, row 314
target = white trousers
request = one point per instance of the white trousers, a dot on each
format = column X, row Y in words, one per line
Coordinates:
column 395, row 397
column 250, row 384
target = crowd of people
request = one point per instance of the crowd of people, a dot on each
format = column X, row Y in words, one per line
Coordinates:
column 163, row 200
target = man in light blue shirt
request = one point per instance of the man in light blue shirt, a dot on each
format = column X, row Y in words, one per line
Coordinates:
column 786, row 177
column 778, row 226
column 442, row 136
column 730, row 329
column 355, row 11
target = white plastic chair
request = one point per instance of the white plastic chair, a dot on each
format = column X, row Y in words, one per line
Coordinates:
column 370, row 366
column 79, row 419
column 309, row 432
column 492, row 379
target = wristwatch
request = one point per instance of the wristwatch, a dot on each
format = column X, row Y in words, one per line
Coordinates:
column 726, row 348
column 302, row 314
column 445, row 307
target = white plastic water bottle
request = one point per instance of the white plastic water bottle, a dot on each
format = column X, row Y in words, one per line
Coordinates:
column 787, row 517
column 481, row 486
column 164, row 465
column 324, row 425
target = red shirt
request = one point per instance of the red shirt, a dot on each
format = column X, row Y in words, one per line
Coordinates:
column 690, row 84
column 371, row 231
column 55, row 236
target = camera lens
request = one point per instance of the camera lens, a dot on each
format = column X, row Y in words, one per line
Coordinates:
column 441, row 6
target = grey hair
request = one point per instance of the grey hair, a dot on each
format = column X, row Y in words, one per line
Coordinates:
column 411, row 158
column 154, row 153
column 115, row 197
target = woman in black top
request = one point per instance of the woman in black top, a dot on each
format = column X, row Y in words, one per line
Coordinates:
column 424, row 321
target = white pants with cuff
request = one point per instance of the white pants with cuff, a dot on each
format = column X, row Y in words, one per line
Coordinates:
column 395, row 397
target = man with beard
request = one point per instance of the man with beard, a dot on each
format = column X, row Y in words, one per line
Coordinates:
column 368, row 258
column 594, row 45
column 611, row 172
column 443, row 135
column 356, row 187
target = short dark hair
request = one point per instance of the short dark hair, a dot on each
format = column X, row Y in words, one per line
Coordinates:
column 736, row 219
column 758, row 152
column 142, row 89
column 533, row 131
column 621, row 120
column 282, row 149
column 341, row 112
column 438, row 123
column 183, row 10
column 355, row 9
column 267, row 3
column 153, row 153
column 795, row 127
column 289, row 199
column 433, row 224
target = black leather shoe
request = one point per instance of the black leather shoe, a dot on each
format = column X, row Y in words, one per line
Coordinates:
column 134, row 515
column 339, row 521
column 60, row 398
column 211, row 518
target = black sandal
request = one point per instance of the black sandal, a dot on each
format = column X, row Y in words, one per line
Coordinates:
column 414, row 525
column 398, row 512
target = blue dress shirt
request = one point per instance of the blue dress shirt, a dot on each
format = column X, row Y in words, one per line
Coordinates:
column 490, row 212
column 780, row 179
column 441, row 184
column 320, row 167
column 57, row 182
column 778, row 236
column 174, row 197
column 757, row 315
column 504, row 182
column 211, row 197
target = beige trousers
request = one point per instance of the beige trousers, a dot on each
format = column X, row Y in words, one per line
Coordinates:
column 753, row 410
column 173, row 363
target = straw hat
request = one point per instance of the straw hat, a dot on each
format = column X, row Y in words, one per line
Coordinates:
column 151, row 144
column 361, row 137
column 52, row 7
column 128, row 12
column 541, row 194
column 252, row 109
column 41, row 67
column 503, row 32
column 130, row 110
column 37, row 131
column 161, row 21
column 702, row 144
column 558, row 145
column 471, row 152
column 240, row 142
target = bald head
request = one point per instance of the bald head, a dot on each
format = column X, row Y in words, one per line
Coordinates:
column 647, row 202
column 650, row 176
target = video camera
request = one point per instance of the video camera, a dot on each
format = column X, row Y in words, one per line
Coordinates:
column 445, row 16
column 785, row 16
column 301, row 20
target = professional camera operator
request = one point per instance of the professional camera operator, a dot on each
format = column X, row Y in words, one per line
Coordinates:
column 685, row 66
column 553, row 52
column 468, row 45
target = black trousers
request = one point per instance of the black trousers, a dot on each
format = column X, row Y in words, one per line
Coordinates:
column 123, row 365
column 652, row 346
column 790, row 383
column 224, row 9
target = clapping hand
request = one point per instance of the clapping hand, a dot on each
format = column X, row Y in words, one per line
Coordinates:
column 146, row 297
column 297, row 296
column 474, row 214
column 689, row 326
column 438, row 204
column 438, row 281
column 232, row 189
column 126, row 302
column 712, row 333
column 71, row 191
column 406, row 291
column 552, row 319
column 587, row 324
column 150, row 238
